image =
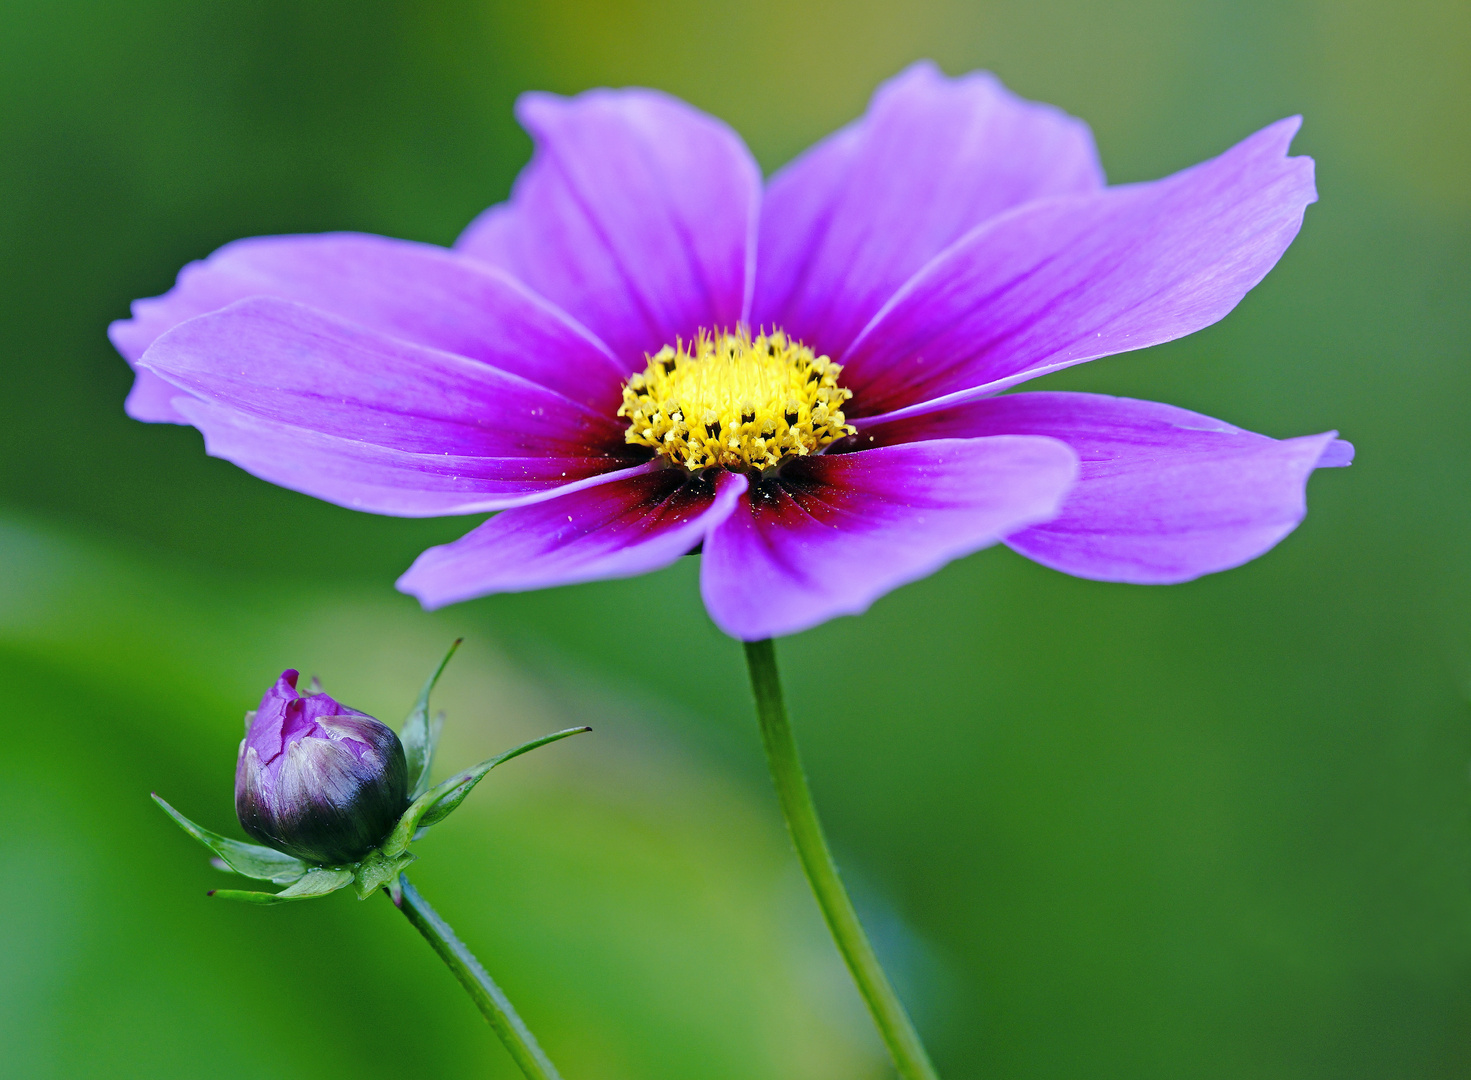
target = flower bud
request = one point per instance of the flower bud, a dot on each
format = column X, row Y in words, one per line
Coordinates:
column 316, row 779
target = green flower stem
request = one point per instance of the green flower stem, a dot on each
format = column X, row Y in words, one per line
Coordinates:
column 489, row 998
column 801, row 814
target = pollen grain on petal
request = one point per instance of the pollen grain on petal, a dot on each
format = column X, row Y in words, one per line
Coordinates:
column 727, row 400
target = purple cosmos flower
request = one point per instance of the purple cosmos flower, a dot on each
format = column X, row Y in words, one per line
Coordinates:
column 648, row 351
column 316, row 779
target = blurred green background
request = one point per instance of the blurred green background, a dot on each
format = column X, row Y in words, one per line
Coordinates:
column 1219, row 830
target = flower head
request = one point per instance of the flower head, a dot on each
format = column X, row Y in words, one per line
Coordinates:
column 316, row 779
column 648, row 351
column 731, row 402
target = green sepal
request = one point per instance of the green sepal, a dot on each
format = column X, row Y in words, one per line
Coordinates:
column 318, row 881
column 434, row 806
column 378, row 869
column 419, row 734
column 454, row 790
column 252, row 860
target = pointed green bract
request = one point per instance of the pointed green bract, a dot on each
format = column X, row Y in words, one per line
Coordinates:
column 252, row 860
column 318, row 881
column 378, row 869
column 453, row 791
column 245, row 896
column 419, row 735
column 434, row 806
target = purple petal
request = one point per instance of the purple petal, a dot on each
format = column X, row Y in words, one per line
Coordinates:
column 838, row 531
column 151, row 399
column 1164, row 495
column 285, row 715
column 356, row 417
column 637, row 214
column 850, row 221
column 379, row 479
column 631, row 526
column 417, row 292
column 1060, row 282
column 1339, row 454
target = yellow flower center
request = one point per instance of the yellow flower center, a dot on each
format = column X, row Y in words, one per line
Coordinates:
column 730, row 401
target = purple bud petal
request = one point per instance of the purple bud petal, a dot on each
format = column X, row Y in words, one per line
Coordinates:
column 316, row 779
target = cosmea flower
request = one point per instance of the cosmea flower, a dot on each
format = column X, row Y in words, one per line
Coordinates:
column 648, row 351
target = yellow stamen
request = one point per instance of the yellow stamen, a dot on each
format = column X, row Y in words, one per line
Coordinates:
column 729, row 401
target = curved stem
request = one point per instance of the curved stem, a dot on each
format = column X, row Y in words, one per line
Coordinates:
column 489, row 998
column 800, row 812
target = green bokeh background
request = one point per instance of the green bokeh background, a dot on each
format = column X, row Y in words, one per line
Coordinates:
column 1219, row 830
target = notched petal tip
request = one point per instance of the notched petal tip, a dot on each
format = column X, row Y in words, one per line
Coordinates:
column 126, row 338
column 1338, row 454
column 538, row 110
column 151, row 399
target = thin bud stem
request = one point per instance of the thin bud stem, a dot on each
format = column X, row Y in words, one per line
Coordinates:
column 888, row 1012
column 489, row 998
